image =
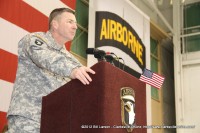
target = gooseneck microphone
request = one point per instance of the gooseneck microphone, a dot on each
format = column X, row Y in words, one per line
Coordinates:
column 116, row 57
column 110, row 59
column 99, row 54
column 105, row 56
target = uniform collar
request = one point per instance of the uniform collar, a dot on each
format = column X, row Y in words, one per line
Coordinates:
column 52, row 42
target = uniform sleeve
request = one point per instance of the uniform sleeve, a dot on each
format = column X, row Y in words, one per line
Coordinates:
column 48, row 58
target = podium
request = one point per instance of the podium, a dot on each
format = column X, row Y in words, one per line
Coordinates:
column 93, row 108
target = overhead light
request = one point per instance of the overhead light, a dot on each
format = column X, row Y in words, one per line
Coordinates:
column 171, row 2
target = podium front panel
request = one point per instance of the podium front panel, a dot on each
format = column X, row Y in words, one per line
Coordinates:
column 78, row 108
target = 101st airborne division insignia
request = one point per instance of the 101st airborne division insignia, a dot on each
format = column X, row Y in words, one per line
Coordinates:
column 128, row 108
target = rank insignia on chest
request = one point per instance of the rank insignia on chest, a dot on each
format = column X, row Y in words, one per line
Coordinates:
column 38, row 42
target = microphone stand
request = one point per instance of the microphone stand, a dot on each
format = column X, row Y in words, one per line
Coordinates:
column 117, row 58
column 123, row 62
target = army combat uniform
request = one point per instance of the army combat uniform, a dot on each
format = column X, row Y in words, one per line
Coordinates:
column 43, row 66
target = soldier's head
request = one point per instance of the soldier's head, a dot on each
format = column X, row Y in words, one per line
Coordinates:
column 62, row 21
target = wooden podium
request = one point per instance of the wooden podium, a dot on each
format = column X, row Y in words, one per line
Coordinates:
column 94, row 108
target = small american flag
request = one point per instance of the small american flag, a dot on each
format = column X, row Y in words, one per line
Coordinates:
column 152, row 78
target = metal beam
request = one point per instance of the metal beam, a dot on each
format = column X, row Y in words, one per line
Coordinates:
column 82, row 28
column 191, row 34
column 152, row 4
column 86, row 2
column 178, row 67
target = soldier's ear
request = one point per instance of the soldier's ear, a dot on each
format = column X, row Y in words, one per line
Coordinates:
column 55, row 24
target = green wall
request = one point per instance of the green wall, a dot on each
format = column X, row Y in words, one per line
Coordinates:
column 80, row 41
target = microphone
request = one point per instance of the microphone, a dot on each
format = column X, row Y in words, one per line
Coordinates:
column 109, row 58
column 116, row 57
column 94, row 51
column 99, row 54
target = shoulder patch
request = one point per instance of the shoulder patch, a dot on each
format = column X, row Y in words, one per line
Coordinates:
column 38, row 42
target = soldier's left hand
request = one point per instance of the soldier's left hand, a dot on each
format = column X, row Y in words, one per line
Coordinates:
column 81, row 74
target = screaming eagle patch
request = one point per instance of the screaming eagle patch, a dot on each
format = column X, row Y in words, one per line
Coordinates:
column 127, row 96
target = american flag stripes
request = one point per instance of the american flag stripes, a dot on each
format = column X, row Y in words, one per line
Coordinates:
column 152, row 78
column 18, row 18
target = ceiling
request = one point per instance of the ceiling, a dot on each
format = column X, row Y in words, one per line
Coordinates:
column 156, row 9
column 161, row 14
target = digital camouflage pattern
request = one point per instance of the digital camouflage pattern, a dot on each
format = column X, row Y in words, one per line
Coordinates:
column 43, row 66
column 20, row 124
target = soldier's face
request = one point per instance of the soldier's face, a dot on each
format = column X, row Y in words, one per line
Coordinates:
column 67, row 26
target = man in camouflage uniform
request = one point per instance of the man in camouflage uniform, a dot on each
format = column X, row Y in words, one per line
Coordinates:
column 44, row 65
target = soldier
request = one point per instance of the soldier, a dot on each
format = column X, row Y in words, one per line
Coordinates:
column 44, row 65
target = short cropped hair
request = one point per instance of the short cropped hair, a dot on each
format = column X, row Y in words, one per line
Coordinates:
column 56, row 12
